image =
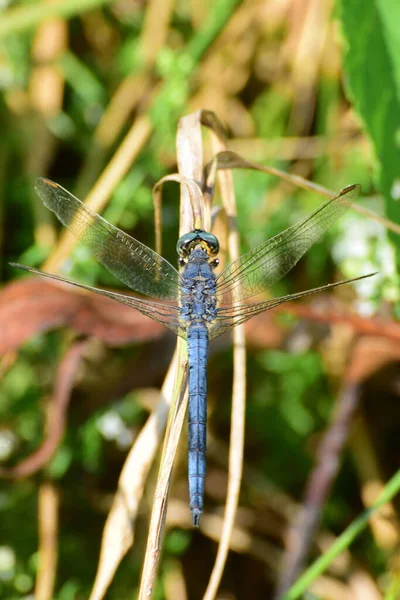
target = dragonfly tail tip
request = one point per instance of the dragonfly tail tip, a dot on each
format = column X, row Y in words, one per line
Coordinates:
column 196, row 514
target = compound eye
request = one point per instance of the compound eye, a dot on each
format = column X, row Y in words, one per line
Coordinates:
column 184, row 243
column 211, row 242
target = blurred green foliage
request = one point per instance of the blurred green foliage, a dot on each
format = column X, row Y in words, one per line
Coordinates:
column 373, row 67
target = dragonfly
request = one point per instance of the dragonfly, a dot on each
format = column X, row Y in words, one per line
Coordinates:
column 192, row 300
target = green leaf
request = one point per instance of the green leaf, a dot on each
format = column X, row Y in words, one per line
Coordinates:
column 372, row 66
column 389, row 11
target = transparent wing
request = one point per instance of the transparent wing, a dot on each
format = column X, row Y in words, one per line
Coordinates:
column 166, row 314
column 131, row 262
column 270, row 261
column 231, row 316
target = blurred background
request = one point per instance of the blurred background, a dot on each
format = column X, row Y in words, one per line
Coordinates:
column 91, row 96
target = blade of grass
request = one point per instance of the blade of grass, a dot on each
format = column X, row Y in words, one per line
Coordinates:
column 343, row 541
column 29, row 16
column 215, row 23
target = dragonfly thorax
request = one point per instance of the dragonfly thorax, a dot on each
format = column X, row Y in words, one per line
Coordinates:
column 198, row 292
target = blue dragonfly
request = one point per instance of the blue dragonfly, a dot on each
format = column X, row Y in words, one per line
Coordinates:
column 193, row 302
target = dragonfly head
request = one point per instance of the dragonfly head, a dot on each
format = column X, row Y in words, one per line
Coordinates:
column 197, row 239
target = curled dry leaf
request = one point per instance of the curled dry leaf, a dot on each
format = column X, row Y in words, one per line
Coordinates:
column 33, row 306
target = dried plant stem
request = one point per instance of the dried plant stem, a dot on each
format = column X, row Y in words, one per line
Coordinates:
column 48, row 502
column 157, row 522
column 231, row 160
column 118, row 534
column 194, row 196
column 236, row 447
column 155, row 29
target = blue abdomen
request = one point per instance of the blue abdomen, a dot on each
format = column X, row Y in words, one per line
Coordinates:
column 197, row 340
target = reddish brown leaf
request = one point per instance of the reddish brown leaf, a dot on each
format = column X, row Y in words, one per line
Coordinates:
column 34, row 305
column 369, row 356
column 333, row 313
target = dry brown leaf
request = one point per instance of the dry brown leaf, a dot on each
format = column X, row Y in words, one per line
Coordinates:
column 32, row 306
column 370, row 355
